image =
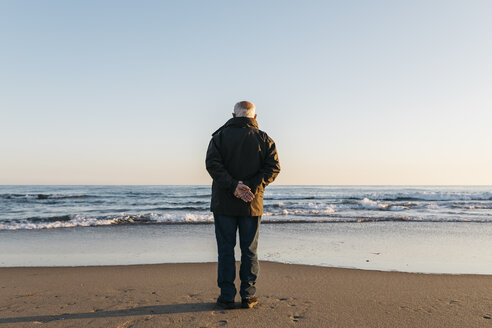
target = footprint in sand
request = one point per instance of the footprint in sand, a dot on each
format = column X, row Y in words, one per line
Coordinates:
column 295, row 317
column 126, row 290
column 128, row 324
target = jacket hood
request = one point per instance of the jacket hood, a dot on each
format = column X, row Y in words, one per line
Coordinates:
column 239, row 122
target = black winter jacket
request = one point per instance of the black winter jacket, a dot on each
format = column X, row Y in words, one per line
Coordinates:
column 239, row 151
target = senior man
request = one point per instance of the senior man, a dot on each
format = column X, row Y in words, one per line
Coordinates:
column 242, row 160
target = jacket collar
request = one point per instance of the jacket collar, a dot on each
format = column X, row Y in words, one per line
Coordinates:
column 239, row 122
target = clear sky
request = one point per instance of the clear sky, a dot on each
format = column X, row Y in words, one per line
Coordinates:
column 353, row 92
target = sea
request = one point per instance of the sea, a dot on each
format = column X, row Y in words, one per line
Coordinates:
column 428, row 229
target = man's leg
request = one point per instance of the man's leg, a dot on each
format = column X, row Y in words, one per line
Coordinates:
column 225, row 233
column 249, row 227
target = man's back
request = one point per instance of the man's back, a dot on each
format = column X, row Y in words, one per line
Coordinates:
column 239, row 151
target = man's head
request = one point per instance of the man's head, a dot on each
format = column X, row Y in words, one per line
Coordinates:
column 244, row 109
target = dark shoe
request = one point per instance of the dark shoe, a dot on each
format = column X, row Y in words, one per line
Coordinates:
column 226, row 304
column 249, row 303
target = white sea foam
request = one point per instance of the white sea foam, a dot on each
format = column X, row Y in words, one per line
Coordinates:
column 182, row 218
column 371, row 204
column 315, row 210
column 88, row 221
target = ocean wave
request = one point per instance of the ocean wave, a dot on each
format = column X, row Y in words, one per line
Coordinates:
column 61, row 218
column 370, row 204
column 399, row 196
column 323, row 208
column 472, row 206
column 188, row 196
column 182, row 208
column 294, row 197
column 77, row 220
column 164, row 194
column 43, row 196
column 302, row 212
column 431, row 196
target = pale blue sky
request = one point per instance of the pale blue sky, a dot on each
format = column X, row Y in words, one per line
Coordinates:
column 353, row 92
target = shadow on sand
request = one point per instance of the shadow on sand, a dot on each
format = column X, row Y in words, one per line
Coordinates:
column 143, row 310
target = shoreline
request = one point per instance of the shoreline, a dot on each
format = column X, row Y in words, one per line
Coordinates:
column 261, row 261
column 184, row 294
column 387, row 246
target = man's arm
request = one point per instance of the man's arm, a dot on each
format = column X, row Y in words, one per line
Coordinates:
column 269, row 171
column 216, row 169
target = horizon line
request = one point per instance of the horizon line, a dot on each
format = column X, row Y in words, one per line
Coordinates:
column 279, row 185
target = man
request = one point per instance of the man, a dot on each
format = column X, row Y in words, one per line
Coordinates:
column 242, row 161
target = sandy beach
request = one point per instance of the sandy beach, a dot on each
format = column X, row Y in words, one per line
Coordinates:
column 183, row 295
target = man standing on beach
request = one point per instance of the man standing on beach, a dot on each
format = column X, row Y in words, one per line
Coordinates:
column 242, row 161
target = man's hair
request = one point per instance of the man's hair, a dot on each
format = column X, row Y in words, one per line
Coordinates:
column 244, row 109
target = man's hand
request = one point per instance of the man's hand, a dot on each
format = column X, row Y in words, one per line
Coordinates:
column 242, row 191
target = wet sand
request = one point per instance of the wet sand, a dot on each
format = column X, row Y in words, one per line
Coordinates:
column 183, row 295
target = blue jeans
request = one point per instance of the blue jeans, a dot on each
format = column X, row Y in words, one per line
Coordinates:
column 225, row 233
